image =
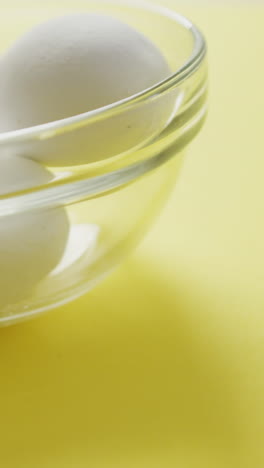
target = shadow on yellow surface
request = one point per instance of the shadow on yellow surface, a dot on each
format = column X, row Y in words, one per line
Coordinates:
column 125, row 379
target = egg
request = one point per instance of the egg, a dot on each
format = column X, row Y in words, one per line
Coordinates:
column 31, row 243
column 74, row 64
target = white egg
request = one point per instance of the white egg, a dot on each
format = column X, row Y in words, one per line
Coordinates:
column 78, row 63
column 31, row 244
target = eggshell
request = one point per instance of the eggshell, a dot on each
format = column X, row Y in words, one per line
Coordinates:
column 31, row 243
column 74, row 64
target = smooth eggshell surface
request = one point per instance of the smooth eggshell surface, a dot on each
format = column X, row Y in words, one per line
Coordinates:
column 31, row 244
column 75, row 64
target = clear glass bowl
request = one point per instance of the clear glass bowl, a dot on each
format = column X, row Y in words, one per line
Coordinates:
column 112, row 203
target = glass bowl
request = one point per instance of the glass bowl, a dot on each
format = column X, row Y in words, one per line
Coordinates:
column 106, row 206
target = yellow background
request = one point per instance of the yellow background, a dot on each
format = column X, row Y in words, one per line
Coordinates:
column 162, row 366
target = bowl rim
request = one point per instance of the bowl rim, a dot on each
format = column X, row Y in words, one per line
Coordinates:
column 54, row 128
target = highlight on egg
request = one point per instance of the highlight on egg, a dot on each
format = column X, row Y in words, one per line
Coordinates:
column 75, row 64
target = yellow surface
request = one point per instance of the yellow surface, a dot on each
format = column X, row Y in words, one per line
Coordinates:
column 163, row 365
